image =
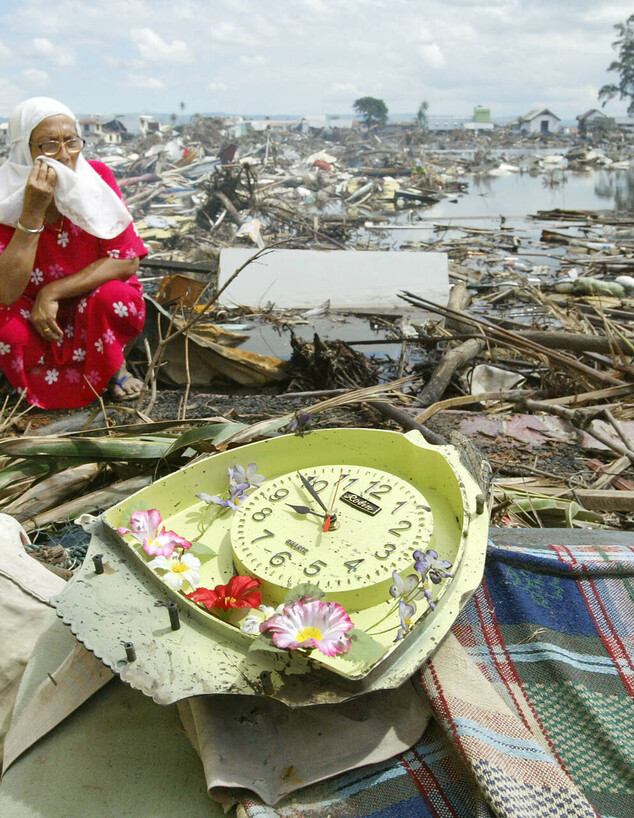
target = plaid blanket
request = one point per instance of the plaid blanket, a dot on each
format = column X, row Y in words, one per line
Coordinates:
column 532, row 694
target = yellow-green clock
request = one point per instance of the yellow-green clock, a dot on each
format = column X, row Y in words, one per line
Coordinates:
column 343, row 527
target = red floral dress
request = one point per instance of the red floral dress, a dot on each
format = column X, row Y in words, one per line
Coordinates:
column 96, row 326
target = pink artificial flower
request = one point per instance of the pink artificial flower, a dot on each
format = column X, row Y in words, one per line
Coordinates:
column 155, row 540
column 311, row 623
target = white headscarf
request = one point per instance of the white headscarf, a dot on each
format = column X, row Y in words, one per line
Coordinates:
column 80, row 194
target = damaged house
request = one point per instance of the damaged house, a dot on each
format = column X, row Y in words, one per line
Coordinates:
column 539, row 122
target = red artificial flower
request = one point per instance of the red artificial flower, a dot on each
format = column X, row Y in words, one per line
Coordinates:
column 237, row 593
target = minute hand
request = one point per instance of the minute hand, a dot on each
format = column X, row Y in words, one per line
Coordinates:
column 311, row 490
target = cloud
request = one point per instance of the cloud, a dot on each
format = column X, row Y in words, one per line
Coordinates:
column 127, row 65
column 10, row 95
column 139, row 81
column 231, row 34
column 153, row 47
column 432, row 55
column 36, row 78
column 5, row 52
column 217, row 86
column 43, row 47
column 255, row 59
column 319, row 7
column 344, row 90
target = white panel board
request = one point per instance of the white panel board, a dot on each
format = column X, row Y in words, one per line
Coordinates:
column 361, row 280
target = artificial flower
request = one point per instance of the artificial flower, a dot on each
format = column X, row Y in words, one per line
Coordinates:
column 299, row 424
column 178, row 569
column 237, row 593
column 236, row 496
column 156, row 541
column 402, row 587
column 406, row 611
column 240, row 481
column 310, row 623
column 238, row 475
column 252, row 622
column 429, row 565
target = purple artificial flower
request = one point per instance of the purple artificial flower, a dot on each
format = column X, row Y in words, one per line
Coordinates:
column 406, row 611
column 429, row 565
column 240, row 481
column 238, row 475
column 236, row 496
column 402, row 587
column 299, row 424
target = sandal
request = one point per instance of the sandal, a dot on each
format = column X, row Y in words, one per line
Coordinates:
column 120, row 382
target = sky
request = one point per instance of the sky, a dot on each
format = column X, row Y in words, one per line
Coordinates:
column 309, row 56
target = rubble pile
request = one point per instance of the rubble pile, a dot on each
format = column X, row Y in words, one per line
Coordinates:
column 532, row 358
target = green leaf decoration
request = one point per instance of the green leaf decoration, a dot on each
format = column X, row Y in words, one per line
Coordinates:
column 264, row 646
column 305, row 589
column 364, row 649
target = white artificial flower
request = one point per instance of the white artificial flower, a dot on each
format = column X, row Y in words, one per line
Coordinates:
column 178, row 569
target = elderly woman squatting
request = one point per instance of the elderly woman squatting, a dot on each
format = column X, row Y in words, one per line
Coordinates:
column 70, row 301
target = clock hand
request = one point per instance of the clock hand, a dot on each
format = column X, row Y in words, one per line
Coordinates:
column 331, row 517
column 311, row 490
column 306, row 510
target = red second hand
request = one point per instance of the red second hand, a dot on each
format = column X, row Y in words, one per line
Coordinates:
column 328, row 519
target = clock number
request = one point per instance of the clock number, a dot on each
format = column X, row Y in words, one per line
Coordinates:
column 314, row 568
column 384, row 488
column 280, row 558
column 389, row 547
column 399, row 506
column 318, row 485
column 350, row 482
column 264, row 536
column 352, row 565
column 403, row 525
column 280, row 494
column 262, row 514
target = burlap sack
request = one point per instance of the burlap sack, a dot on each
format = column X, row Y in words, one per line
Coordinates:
column 25, row 588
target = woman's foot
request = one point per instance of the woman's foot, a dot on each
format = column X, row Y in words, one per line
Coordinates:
column 124, row 386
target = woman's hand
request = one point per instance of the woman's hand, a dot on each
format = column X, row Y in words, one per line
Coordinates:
column 38, row 194
column 44, row 317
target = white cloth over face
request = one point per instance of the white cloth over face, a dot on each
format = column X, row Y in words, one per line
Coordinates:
column 81, row 194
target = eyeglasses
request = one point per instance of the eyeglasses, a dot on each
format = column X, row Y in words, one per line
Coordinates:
column 53, row 146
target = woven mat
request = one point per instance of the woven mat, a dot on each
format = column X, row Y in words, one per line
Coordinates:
column 532, row 695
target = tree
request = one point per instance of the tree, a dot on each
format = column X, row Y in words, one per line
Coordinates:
column 421, row 115
column 372, row 111
column 624, row 66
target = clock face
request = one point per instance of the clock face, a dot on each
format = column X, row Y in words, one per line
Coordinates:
column 344, row 528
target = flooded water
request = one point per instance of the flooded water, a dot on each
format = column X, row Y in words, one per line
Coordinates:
column 520, row 194
column 488, row 203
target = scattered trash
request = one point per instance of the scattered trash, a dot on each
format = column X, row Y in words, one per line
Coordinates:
column 292, row 264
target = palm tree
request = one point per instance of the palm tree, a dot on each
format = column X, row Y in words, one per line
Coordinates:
column 421, row 115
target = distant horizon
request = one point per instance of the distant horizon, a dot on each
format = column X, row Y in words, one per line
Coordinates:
column 407, row 116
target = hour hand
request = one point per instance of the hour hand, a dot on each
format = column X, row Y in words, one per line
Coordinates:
column 311, row 490
column 306, row 510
